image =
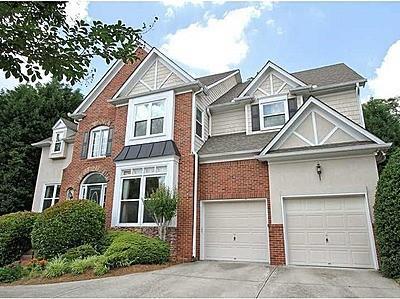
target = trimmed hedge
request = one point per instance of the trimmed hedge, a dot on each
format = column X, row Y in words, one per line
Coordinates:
column 15, row 235
column 80, row 252
column 67, row 225
column 129, row 248
column 387, row 216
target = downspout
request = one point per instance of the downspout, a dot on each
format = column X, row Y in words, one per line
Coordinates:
column 196, row 175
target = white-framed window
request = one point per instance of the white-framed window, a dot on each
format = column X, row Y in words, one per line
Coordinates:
column 199, row 122
column 98, row 142
column 149, row 119
column 51, row 195
column 137, row 186
column 94, row 187
column 273, row 113
column 58, row 142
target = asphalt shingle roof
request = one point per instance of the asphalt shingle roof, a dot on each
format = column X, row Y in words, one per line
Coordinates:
column 327, row 75
column 210, row 79
column 236, row 143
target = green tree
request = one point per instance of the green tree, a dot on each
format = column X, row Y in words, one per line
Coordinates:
column 387, row 215
column 162, row 205
column 382, row 118
column 37, row 34
column 27, row 115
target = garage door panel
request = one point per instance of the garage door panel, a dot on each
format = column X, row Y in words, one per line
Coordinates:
column 316, row 238
column 328, row 232
column 314, row 221
column 335, row 221
column 356, row 220
column 235, row 230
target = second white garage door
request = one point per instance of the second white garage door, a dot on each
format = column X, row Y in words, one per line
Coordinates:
column 235, row 231
column 328, row 232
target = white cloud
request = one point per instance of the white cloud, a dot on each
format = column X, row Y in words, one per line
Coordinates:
column 181, row 3
column 214, row 45
column 170, row 13
column 272, row 24
column 386, row 81
column 76, row 10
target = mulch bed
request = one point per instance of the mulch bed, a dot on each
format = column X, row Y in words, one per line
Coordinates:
column 89, row 275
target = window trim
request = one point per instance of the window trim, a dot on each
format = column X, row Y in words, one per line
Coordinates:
column 91, row 137
column 53, row 198
column 202, row 123
column 273, row 100
column 142, row 192
column 169, row 115
column 148, row 120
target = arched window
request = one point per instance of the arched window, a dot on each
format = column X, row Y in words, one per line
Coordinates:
column 98, row 142
column 94, row 187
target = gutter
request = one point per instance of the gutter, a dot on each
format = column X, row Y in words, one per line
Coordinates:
column 235, row 101
column 315, row 88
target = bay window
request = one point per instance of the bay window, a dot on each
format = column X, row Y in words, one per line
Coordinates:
column 137, row 186
column 149, row 119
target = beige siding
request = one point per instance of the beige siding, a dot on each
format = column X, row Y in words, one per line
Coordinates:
column 50, row 172
column 345, row 102
column 172, row 81
column 204, row 101
column 229, row 122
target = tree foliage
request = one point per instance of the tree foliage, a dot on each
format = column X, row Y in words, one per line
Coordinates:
column 382, row 118
column 387, row 215
column 27, row 115
column 162, row 205
column 38, row 34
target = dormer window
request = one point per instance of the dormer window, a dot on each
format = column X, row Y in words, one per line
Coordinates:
column 149, row 119
column 273, row 113
column 58, row 142
column 98, row 142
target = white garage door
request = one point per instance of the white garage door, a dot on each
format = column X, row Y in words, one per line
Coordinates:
column 328, row 232
column 235, row 231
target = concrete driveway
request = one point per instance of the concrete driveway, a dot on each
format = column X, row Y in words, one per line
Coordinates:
column 219, row 279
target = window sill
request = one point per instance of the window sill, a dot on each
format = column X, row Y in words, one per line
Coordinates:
column 136, row 225
column 96, row 158
column 147, row 137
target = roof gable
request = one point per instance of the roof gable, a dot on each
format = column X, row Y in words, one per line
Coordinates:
column 155, row 72
column 271, row 80
column 314, row 125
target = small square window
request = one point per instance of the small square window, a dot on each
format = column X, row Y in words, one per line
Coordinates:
column 273, row 114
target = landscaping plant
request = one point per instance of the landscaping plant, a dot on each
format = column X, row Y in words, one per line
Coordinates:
column 67, row 225
column 162, row 205
column 387, row 215
column 57, row 267
column 15, row 235
column 80, row 252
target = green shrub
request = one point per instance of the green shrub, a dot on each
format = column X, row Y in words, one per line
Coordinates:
column 56, row 267
column 79, row 266
column 129, row 248
column 67, row 225
column 15, row 235
column 11, row 273
column 80, row 252
column 387, row 215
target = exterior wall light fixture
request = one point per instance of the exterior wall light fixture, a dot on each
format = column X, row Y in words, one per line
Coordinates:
column 319, row 170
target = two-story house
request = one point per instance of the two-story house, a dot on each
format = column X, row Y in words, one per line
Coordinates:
column 276, row 169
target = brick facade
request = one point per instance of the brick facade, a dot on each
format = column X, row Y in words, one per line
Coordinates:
column 276, row 244
column 182, row 138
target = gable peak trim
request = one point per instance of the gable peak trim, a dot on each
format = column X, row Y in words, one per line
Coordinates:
column 312, row 100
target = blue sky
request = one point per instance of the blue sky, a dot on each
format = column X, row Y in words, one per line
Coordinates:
column 216, row 36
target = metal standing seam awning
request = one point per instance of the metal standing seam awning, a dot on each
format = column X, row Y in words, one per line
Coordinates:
column 148, row 150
